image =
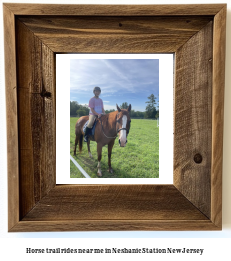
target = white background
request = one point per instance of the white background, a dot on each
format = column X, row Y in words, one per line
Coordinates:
column 216, row 244
column 63, row 119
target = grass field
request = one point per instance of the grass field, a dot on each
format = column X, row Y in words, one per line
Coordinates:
column 139, row 159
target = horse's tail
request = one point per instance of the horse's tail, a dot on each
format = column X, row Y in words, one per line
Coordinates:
column 78, row 132
column 80, row 142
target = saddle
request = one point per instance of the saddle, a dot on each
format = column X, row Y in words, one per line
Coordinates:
column 92, row 130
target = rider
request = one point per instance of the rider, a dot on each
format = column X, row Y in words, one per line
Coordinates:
column 96, row 109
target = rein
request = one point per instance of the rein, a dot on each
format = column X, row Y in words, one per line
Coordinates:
column 104, row 133
column 116, row 132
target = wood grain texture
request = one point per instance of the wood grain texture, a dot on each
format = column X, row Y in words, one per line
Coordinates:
column 218, row 114
column 35, row 66
column 114, row 34
column 114, row 202
column 114, row 225
column 193, row 114
column 11, row 116
column 194, row 201
column 115, row 10
column 114, row 207
column 75, row 25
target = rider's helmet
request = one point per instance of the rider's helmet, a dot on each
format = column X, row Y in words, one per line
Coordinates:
column 96, row 89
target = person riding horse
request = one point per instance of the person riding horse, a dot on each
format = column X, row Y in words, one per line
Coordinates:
column 96, row 110
column 113, row 124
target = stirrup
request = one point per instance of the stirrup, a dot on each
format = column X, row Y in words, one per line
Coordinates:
column 85, row 138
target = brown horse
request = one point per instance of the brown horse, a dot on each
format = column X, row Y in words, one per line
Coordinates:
column 106, row 130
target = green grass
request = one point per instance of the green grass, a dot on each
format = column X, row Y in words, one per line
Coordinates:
column 139, row 159
column 75, row 173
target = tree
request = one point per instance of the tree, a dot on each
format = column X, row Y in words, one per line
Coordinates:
column 151, row 108
column 80, row 112
column 133, row 113
column 157, row 115
column 108, row 111
column 78, row 109
column 124, row 105
column 140, row 114
column 85, row 108
column 74, row 106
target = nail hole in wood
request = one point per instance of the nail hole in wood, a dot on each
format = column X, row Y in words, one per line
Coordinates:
column 45, row 94
column 120, row 24
column 198, row 158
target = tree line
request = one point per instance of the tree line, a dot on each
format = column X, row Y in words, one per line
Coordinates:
column 151, row 111
column 78, row 110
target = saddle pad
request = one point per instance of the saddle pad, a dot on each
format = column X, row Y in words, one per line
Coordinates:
column 92, row 132
column 85, row 126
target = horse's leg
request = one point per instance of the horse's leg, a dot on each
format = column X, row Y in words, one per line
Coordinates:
column 76, row 143
column 99, row 151
column 110, row 146
column 88, row 146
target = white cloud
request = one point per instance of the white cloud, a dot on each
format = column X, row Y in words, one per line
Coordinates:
column 109, row 107
column 119, row 79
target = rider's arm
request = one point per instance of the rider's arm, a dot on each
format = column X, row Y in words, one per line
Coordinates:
column 94, row 112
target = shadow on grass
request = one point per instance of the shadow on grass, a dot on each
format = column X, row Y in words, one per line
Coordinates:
column 90, row 166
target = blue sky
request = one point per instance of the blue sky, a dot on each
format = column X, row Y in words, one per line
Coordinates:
column 120, row 80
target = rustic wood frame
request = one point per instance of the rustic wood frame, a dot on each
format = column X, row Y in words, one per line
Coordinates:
column 33, row 34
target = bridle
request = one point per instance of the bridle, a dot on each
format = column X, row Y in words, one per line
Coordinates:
column 123, row 128
column 116, row 131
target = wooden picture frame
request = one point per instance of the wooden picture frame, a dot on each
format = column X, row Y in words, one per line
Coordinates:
column 33, row 34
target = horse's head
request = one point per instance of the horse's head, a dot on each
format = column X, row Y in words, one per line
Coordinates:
column 123, row 124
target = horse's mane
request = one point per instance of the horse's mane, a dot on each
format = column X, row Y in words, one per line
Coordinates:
column 109, row 116
column 109, row 119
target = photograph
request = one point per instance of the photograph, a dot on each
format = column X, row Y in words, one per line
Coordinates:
column 117, row 110
column 114, row 125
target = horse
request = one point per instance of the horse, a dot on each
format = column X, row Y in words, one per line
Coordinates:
column 106, row 130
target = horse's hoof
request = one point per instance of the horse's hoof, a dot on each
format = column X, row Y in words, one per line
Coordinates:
column 99, row 173
column 90, row 155
column 110, row 171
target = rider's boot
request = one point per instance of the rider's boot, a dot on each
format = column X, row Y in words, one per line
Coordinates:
column 86, row 134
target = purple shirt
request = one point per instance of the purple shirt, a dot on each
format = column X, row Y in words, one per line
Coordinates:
column 96, row 104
